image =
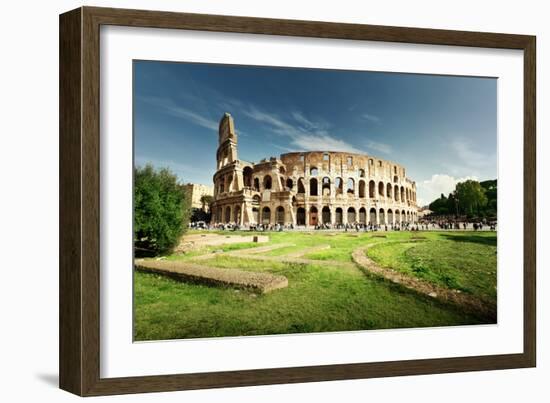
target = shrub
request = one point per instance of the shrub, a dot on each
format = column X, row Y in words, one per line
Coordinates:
column 161, row 210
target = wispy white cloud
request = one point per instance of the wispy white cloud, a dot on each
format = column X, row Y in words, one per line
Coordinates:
column 378, row 147
column 431, row 189
column 312, row 142
column 304, row 133
column 169, row 107
column 469, row 156
column 370, row 117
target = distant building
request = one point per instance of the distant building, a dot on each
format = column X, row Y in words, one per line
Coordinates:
column 423, row 212
column 196, row 191
column 309, row 188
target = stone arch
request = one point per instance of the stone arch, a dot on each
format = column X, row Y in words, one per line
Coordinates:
column 397, row 216
column 381, row 217
column 256, row 208
column 350, row 186
column 325, row 215
column 267, row 182
column 301, row 187
column 301, row 216
column 313, row 187
column 339, row 185
column 403, row 216
column 257, row 184
column 247, row 176
column 282, row 170
column 396, row 193
column 390, row 216
column 381, row 189
column 313, row 216
column 361, row 173
column 388, row 191
column 227, row 217
column 362, row 188
column 289, row 183
column 266, row 215
column 313, row 171
column 372, row 216
column 338, row 214
column 351, row 215
column 362, row 215
column 372, row 189
column 325, row 185
column 395, row 179
column 280, row 215
column 402, row 194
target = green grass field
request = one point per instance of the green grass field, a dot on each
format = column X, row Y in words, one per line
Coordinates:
column 319, row 297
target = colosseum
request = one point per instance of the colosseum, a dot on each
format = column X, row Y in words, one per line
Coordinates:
column 309, row 188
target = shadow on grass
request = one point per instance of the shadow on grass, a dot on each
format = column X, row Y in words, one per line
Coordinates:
column 483, row 240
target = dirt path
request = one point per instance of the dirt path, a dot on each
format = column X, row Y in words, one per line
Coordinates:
column 471, row 303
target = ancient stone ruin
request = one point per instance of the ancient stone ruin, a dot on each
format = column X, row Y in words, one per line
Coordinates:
column 309, row 188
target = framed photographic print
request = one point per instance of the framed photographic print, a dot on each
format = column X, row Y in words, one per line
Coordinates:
column 249, row 201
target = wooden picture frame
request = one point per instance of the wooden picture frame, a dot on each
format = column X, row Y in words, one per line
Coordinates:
column 79, row 346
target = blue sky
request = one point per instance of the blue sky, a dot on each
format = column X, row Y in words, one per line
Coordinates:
column 443, row 129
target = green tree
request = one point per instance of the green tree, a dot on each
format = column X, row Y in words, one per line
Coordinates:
column 206, row 201
column 440, row 206
column 161, row 210
column 471, row 196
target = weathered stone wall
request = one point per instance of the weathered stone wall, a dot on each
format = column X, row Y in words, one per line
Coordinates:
column 310, row 188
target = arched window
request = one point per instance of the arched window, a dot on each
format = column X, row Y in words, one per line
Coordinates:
column 339, row 185
column 350, row 188
column 301, row 187
column 313, row 187
column 289, row 183
column 361, row 173
column 247, row 176
column 325, row 157
column 256, row 184
column 388, row 190
column 396, row 193
column 372, row 189
column 313, row 171
column 326, row 186
column 267, row 182
column 282, row 170
column 402, row 194
column 361, row 188
column 381, row 189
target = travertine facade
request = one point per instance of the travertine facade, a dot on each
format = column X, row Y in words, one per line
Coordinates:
column 197, row 191
column 309, row 188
